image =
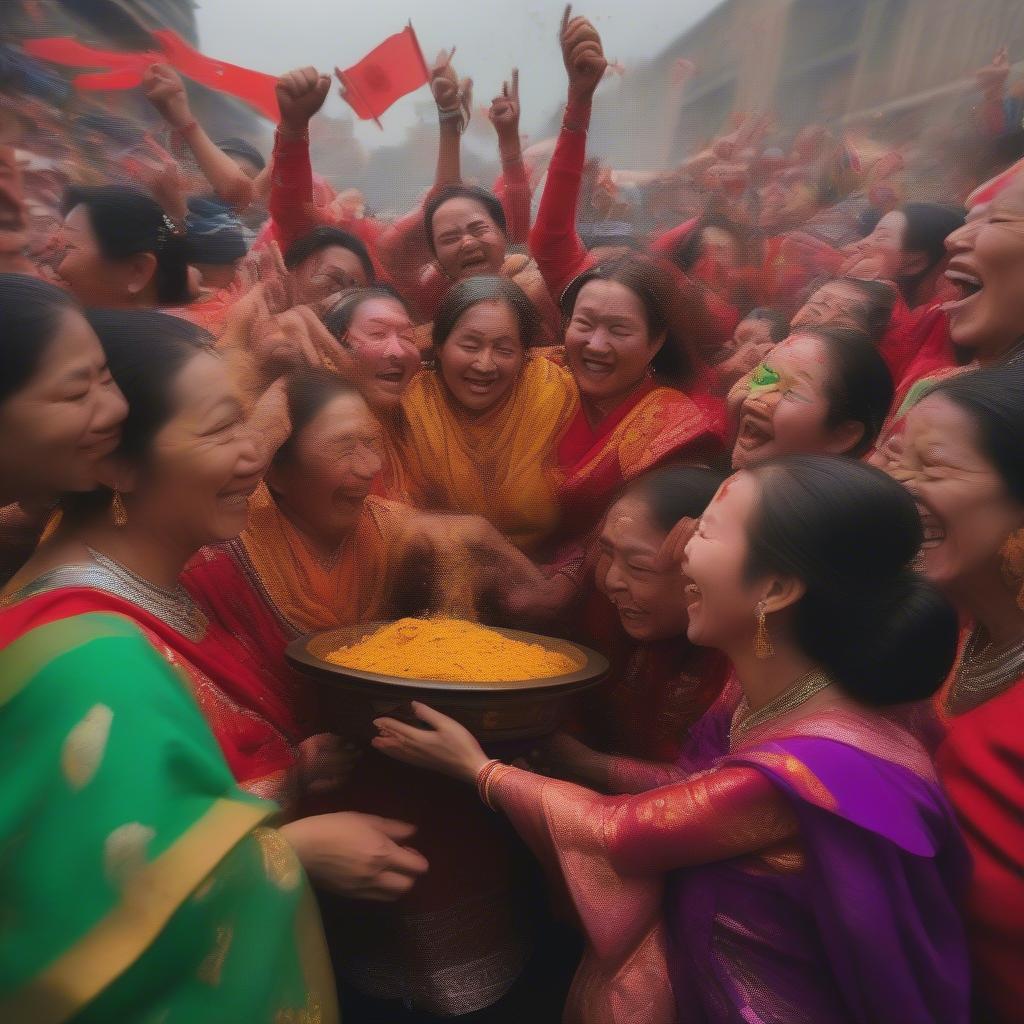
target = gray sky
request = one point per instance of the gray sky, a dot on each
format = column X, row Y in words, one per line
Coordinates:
column 491, row 37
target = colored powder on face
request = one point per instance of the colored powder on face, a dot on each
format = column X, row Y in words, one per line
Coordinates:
column 452, row 650
column 764, row 377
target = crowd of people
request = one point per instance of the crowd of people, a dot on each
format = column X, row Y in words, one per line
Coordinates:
column 768, row 458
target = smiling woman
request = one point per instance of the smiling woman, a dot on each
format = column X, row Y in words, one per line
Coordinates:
column 962, row 461
column 180, row 478
column 822, row 391
column 482, row 429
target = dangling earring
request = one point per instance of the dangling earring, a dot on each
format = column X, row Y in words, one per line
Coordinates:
column 762, row 641
column 1012, row 564
column 118, row 513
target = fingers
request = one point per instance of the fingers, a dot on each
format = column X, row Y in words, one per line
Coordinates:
column 566, row 14
column 515, row 85
column 393, row 728
column 399, row 831
column 389, row 887
column 429, row 715
column 406, row 861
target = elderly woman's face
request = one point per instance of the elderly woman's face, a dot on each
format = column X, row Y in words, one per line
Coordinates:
column 965, row 508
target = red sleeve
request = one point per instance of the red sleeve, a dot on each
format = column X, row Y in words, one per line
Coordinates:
column 406, row 256
column 291, row 189
column 666, row 244
column 554, row 241
column 512, row 187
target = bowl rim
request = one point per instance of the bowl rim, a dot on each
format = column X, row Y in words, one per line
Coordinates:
column 594, row 669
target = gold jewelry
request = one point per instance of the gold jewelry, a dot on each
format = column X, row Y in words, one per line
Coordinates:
column 1012, row 564
column 799, row 692
column 118, row 513
column 483, row 781
column 983, row 673
column 762, row 641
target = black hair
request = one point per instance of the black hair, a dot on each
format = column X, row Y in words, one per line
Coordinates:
column 127, row 222
column 676, row 492
column 244, row 149
column 859, row 385
column 31, row 312
column 486, row 199
column 778, row 322
column 471, row 291
column 146, row 350
column 323, row 237
column 849, row 533
column 309, row 390
column 928, row 226
column 339, row 317
column 994, row 399
column 672, row 307
column 879, row 298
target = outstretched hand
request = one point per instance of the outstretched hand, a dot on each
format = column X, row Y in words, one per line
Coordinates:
column 446, row 746
column 450, row 92
column 163, row 87
column 358, row 855
column 583, row 55
column 504, row 112
column 300, row 95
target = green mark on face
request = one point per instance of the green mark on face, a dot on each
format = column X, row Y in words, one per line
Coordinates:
column 764, row 377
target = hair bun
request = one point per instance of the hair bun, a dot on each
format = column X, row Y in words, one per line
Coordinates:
column 897, row 645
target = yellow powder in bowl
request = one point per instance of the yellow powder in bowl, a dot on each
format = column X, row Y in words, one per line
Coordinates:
column 451, row 650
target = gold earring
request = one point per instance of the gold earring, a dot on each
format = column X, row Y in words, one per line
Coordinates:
column 1012, row 564
column 762, row 641
column 118, row 512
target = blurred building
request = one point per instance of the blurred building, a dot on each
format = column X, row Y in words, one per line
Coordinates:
column 803, row 60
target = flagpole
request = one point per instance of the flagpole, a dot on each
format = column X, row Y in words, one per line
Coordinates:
column 351, row 85
column 419, row 50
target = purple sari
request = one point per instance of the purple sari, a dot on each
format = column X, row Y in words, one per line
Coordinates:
column 847, row 915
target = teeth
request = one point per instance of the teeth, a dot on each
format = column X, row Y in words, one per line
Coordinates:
column 958, row 275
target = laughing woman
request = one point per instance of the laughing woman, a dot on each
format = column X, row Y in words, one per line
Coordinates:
column 822, row 391
column 482, row 429
column 146, row 884
column 807, row 845
column 963, row 463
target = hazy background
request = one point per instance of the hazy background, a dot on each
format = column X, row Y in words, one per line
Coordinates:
column 491, row 36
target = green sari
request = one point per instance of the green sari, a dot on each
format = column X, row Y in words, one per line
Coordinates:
column 139, row 883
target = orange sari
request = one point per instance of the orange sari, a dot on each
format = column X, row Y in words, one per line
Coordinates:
column 499, row 465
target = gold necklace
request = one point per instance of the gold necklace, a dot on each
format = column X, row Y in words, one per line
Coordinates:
column 984, row 673
column 797, row 693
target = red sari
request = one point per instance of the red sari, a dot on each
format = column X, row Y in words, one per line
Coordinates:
column 653, row 426
column 981, row 764
column 237, row 696
column 647, row 709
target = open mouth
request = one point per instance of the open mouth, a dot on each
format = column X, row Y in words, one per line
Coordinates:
column 480, row 387
column 393, row 378
column 239, row 496
column 103, row 445
column 967, row 285
column 596, row 366
column 753, row 433
column 934, row 531
column 475, row 264
column 693, row 596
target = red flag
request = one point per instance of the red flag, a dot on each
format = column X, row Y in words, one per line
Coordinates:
column 385, row 74
column 125, row 70
column 254, row 87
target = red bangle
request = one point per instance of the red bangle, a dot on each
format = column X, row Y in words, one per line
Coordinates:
column 483, row 781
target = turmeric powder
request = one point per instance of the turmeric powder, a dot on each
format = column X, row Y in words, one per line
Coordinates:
column 454, row 651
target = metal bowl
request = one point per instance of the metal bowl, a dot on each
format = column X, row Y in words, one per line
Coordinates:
column 514, row 710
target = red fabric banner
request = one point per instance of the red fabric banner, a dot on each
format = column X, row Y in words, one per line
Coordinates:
column 388, row 72
column 125, row 70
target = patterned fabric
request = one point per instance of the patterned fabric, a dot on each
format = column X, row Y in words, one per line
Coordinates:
column 139, row 883
column 499, row 465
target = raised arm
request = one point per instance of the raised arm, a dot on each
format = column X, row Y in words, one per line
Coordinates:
column 554, row 241
column 300, row 95
column 515, row 184
column 166, row 91
column 453, row 98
